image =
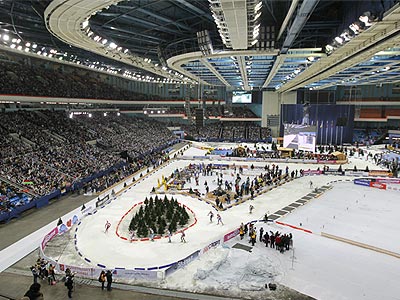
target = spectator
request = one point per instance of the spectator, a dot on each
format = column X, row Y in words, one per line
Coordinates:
column 34, row 292
column 109, row 280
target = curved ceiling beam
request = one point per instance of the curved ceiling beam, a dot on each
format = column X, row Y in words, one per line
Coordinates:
column 160, row 17
column 193, row 8
column 64, row 19
column 144, row 23
column 289, row 14
column 274, row 70
column 214, row 71
column 176, row 62
column 364, row 46
column 302, row 16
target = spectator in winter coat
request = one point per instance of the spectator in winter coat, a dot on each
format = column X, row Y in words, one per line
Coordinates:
column 34, row 292
column 272, row 240
column 102, row 279
column 35, row 274
column 51, row 274
column 278, row 242
column 253, row 237
column 266, row 238
column 241, row 231
column 69, row 283
column 109, row 280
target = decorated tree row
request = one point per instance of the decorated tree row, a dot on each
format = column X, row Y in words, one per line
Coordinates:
column 158, row 215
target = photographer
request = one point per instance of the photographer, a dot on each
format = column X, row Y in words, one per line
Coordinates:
column 69, row 282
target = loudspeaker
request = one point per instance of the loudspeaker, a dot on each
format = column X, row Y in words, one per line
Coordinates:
column 199, row 117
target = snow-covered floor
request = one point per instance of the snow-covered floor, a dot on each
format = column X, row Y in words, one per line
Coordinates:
column 319, row 267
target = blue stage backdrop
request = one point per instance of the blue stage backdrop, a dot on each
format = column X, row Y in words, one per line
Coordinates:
column 335, row 123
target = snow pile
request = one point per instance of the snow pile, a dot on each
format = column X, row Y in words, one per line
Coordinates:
column 229, row 272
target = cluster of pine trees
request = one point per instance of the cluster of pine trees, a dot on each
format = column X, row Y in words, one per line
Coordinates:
column 159, row 215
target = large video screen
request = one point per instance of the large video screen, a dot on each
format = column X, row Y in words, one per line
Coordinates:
column 300, row 137
column 241, row 97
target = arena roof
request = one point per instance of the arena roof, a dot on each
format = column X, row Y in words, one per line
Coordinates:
column 249, row 44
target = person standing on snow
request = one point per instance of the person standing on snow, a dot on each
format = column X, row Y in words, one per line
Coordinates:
column 107, row 226
column 241, row 231
column 183, row 237
column 219, row 219
column 251, row 207
column 211, row 214
column 253, row 237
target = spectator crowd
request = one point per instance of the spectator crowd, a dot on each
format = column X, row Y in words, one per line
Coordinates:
column 35, row 80
column 44, row 151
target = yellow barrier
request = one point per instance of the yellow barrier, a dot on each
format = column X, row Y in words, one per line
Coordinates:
column 361, row 245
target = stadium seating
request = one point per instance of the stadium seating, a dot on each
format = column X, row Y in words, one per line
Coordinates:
column 48, row 153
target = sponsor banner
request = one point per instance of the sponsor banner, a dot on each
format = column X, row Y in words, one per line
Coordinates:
column 134, row 274
column 48, row 237
column 87, row 211
column 388, row 180
column 330, row 162
column 64, row 227
column 378, row 185
column 361, row 181
column 212, row 245
column 394, row 188
column 81, row 272
column 102, row 201
column 355, row 173
column 380, row 173
column 221, row 166
column 304, row 161
column 333, row 172
column 231, row 235
column 312, row 172
column 238, row 158
column 182, row 263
